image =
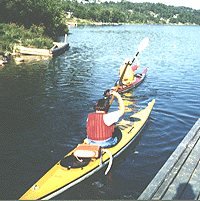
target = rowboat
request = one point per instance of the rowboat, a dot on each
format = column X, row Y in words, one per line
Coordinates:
column 139, row 78
column 86, row 160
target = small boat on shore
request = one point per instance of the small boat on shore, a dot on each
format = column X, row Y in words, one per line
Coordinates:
column 86, row 160
column 139, row 78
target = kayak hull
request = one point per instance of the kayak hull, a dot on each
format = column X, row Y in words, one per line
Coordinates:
column 59, row 179
column 139, row 78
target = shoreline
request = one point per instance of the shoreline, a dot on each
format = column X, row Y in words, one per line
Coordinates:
column 80, row 22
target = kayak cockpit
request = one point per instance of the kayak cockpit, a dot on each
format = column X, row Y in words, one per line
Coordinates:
column 72, row 162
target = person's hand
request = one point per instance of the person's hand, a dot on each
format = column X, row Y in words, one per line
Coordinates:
column 114, row 93
column 137, row 61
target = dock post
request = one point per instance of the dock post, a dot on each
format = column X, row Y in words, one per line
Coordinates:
column 65, row 38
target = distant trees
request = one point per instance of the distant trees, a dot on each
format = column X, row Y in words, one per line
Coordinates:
column 104, row 15
column 103, row 12
column 128, row 12
column 50, row 15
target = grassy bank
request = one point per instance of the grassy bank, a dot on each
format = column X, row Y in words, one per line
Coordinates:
column 11, row 34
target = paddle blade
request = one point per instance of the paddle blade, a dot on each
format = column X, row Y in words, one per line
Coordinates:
column 143, row 44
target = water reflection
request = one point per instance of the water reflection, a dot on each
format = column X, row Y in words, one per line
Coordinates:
column 20, row 87
column 129, row 101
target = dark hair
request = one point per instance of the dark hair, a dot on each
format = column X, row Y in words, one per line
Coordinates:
column 102, row 105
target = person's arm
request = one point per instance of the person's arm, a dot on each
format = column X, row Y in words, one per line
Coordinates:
column 135, row 67
column 137, row 61
column 120, row 101
column 113, row 117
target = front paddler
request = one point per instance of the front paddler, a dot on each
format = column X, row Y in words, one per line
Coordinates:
column 129, row 77
column 101, row 125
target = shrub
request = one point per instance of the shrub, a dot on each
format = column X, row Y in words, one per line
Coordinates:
column 12, row 34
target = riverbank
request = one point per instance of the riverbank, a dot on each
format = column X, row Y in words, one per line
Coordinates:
column 12, row 35
column 79, row 22
column 17, row 40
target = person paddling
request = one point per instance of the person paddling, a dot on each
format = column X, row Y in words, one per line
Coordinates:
column 100, row 125
column 129, row 77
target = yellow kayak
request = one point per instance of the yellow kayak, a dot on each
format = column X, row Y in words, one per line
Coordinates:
column 85, row 160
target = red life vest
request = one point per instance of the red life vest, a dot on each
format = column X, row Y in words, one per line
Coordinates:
column 96, row 128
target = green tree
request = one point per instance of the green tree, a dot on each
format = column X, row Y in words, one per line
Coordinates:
column 47, row 13
column 117, row 16
column 104, row 15
column 92, row 12
column 174, row 20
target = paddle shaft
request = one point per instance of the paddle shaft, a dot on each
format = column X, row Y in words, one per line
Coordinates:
column 120, row 81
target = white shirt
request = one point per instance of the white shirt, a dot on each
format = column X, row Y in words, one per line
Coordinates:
column 111, row 117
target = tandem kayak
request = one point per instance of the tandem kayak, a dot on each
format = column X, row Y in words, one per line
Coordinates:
column 85, row 160
column 139, row 78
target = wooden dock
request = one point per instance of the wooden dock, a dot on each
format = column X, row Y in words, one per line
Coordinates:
column 179, row 178
column 56, row 50
column 32, row 51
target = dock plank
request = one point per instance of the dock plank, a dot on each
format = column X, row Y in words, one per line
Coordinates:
column 183, row 177
column 179, row 174
column 177, row 167
column 191, row 191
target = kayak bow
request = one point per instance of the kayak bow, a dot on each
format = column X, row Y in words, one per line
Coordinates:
column 72, row 170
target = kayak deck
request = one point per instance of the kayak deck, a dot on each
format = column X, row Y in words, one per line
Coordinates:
column 58, row 179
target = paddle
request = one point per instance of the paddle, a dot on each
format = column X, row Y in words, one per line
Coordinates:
column 143, row 44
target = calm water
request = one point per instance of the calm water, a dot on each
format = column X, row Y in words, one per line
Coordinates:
column 44, row 105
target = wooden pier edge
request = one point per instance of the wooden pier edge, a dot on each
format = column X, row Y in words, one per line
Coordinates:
column 157, row 181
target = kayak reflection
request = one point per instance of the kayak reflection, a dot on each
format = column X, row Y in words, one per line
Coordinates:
column 129, row 101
